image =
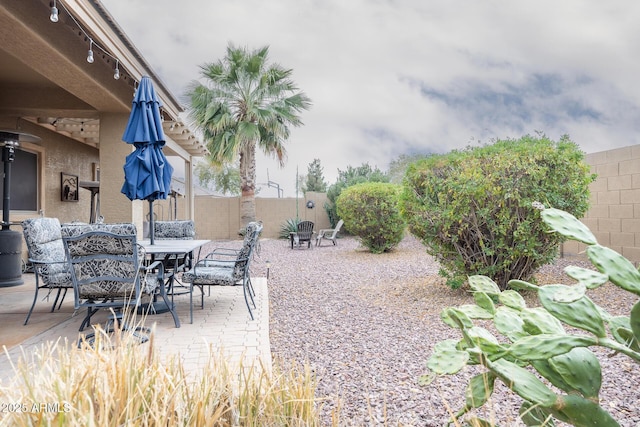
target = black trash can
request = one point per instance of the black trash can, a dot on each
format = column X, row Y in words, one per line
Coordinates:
column 10, row 258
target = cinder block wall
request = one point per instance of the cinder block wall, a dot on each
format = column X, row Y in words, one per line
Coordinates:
column 614, row 214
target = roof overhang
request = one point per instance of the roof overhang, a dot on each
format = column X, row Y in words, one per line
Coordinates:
column 46, row 79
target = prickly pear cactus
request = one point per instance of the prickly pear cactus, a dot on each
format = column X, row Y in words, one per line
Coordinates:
column 537, row 337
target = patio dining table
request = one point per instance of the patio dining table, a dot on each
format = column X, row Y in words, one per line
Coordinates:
column 182, row 249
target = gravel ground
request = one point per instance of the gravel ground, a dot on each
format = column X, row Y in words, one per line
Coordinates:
column 367, row 323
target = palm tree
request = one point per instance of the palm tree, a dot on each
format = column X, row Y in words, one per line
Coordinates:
column 245, row 103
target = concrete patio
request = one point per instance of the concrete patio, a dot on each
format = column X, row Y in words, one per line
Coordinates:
column 223, row 325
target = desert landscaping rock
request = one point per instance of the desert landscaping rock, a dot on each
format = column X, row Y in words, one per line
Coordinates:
column 366, row 324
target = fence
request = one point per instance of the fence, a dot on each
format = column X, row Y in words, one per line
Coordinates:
column 614, row 213
column 219, row 217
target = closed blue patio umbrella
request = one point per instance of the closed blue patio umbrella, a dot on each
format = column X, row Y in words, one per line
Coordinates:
column 147, row 173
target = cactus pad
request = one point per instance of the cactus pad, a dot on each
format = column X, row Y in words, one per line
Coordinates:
column 591, row 279
column 582, row 313
column 484, row 301
column 634, row 321
column 580, row 369
column 545, row 346
column 446, row 359
column 483, row 284
column 521, row 285
column 455, row 318
column 568, row 225
column 582, row 412
column 475, row 312
column 509, row 323
column 620, row 270
column 540, row 321
column 479, row 390
column 512, row 299
column 523, row 382
column 570, row 293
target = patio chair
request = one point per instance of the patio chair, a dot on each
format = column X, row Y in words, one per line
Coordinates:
column 178, row 229
column 46, row 254
column 329, row 234
column 107, row 269
column 304, row 233
column 174, row 263
column 227, row 267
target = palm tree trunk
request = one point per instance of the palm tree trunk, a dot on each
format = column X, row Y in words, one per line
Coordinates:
column 248, row 184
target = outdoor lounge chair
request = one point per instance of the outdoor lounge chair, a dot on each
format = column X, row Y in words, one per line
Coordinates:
column 46, row 253
column 107, row 268
column 329, row 234
column 227, row 267
column 304, row 233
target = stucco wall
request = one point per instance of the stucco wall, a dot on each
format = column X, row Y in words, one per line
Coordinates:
column 614, row 214
column 56, row 154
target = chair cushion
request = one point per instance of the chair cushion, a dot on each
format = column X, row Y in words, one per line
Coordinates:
column 46, row 250
column 105, row 289
column 76, row 229
column 44, row 239
column 202, row 275
column 54, row 275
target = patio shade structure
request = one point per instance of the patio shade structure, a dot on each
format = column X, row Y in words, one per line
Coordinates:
column 147, row 173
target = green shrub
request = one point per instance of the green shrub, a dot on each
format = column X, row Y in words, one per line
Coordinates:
column 535, row 338
column 289, row 226
column 346, row 178
column 370, row 212
column 472, row 208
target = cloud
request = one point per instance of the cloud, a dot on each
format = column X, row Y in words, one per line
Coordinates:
column 389, row 77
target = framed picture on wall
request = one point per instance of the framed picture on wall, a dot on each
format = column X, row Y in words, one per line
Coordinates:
column 69, row 187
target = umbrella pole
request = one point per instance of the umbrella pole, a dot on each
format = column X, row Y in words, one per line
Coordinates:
column 151, row 226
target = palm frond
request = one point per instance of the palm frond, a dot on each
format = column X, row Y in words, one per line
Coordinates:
column 245, row 102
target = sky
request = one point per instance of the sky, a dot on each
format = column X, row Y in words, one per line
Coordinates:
column 393, row 77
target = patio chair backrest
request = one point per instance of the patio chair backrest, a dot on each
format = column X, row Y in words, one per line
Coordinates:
column 46, row 251
column 335, row 231
column 179, row 229
column 44, row 239
column 104, row 260
column 249, row 243
column 305, row 230
column 174, row 230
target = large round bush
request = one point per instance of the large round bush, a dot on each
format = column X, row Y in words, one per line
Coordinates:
column 370, row 212
column 473, row 208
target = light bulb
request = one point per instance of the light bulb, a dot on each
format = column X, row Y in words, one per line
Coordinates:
column 116, row 73
column 54, row 12
column 90, row 53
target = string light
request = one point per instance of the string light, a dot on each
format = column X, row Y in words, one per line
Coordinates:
column 54, row 12
column 90, row 53
column 54, row 17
